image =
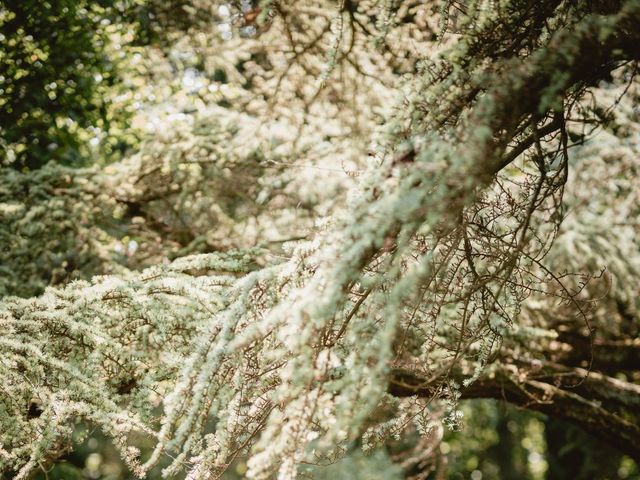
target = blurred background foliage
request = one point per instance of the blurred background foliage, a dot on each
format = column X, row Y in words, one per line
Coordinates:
column 82, row 83
column 72, row 72
column 59, row 70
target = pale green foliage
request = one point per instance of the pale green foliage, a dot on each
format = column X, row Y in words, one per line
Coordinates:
column 111, row 326
column 50, row 231
column 426, row 262
column 600, row 229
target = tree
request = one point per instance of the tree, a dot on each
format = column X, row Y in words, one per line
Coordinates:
column 447, row 274
column 52, row 73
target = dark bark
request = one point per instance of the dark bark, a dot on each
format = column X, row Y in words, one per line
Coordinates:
column 609, row 356
column 609, row 409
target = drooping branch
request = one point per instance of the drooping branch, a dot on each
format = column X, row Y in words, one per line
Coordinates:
column 603, row 406
column 584, row 54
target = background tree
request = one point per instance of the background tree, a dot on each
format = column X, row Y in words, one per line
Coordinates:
column 55, row 79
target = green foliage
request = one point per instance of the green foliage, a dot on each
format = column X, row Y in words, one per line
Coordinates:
column 357, row 466
column 497, row 441
column 54, row 75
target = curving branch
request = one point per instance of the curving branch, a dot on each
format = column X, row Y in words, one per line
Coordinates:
column 603, row 406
